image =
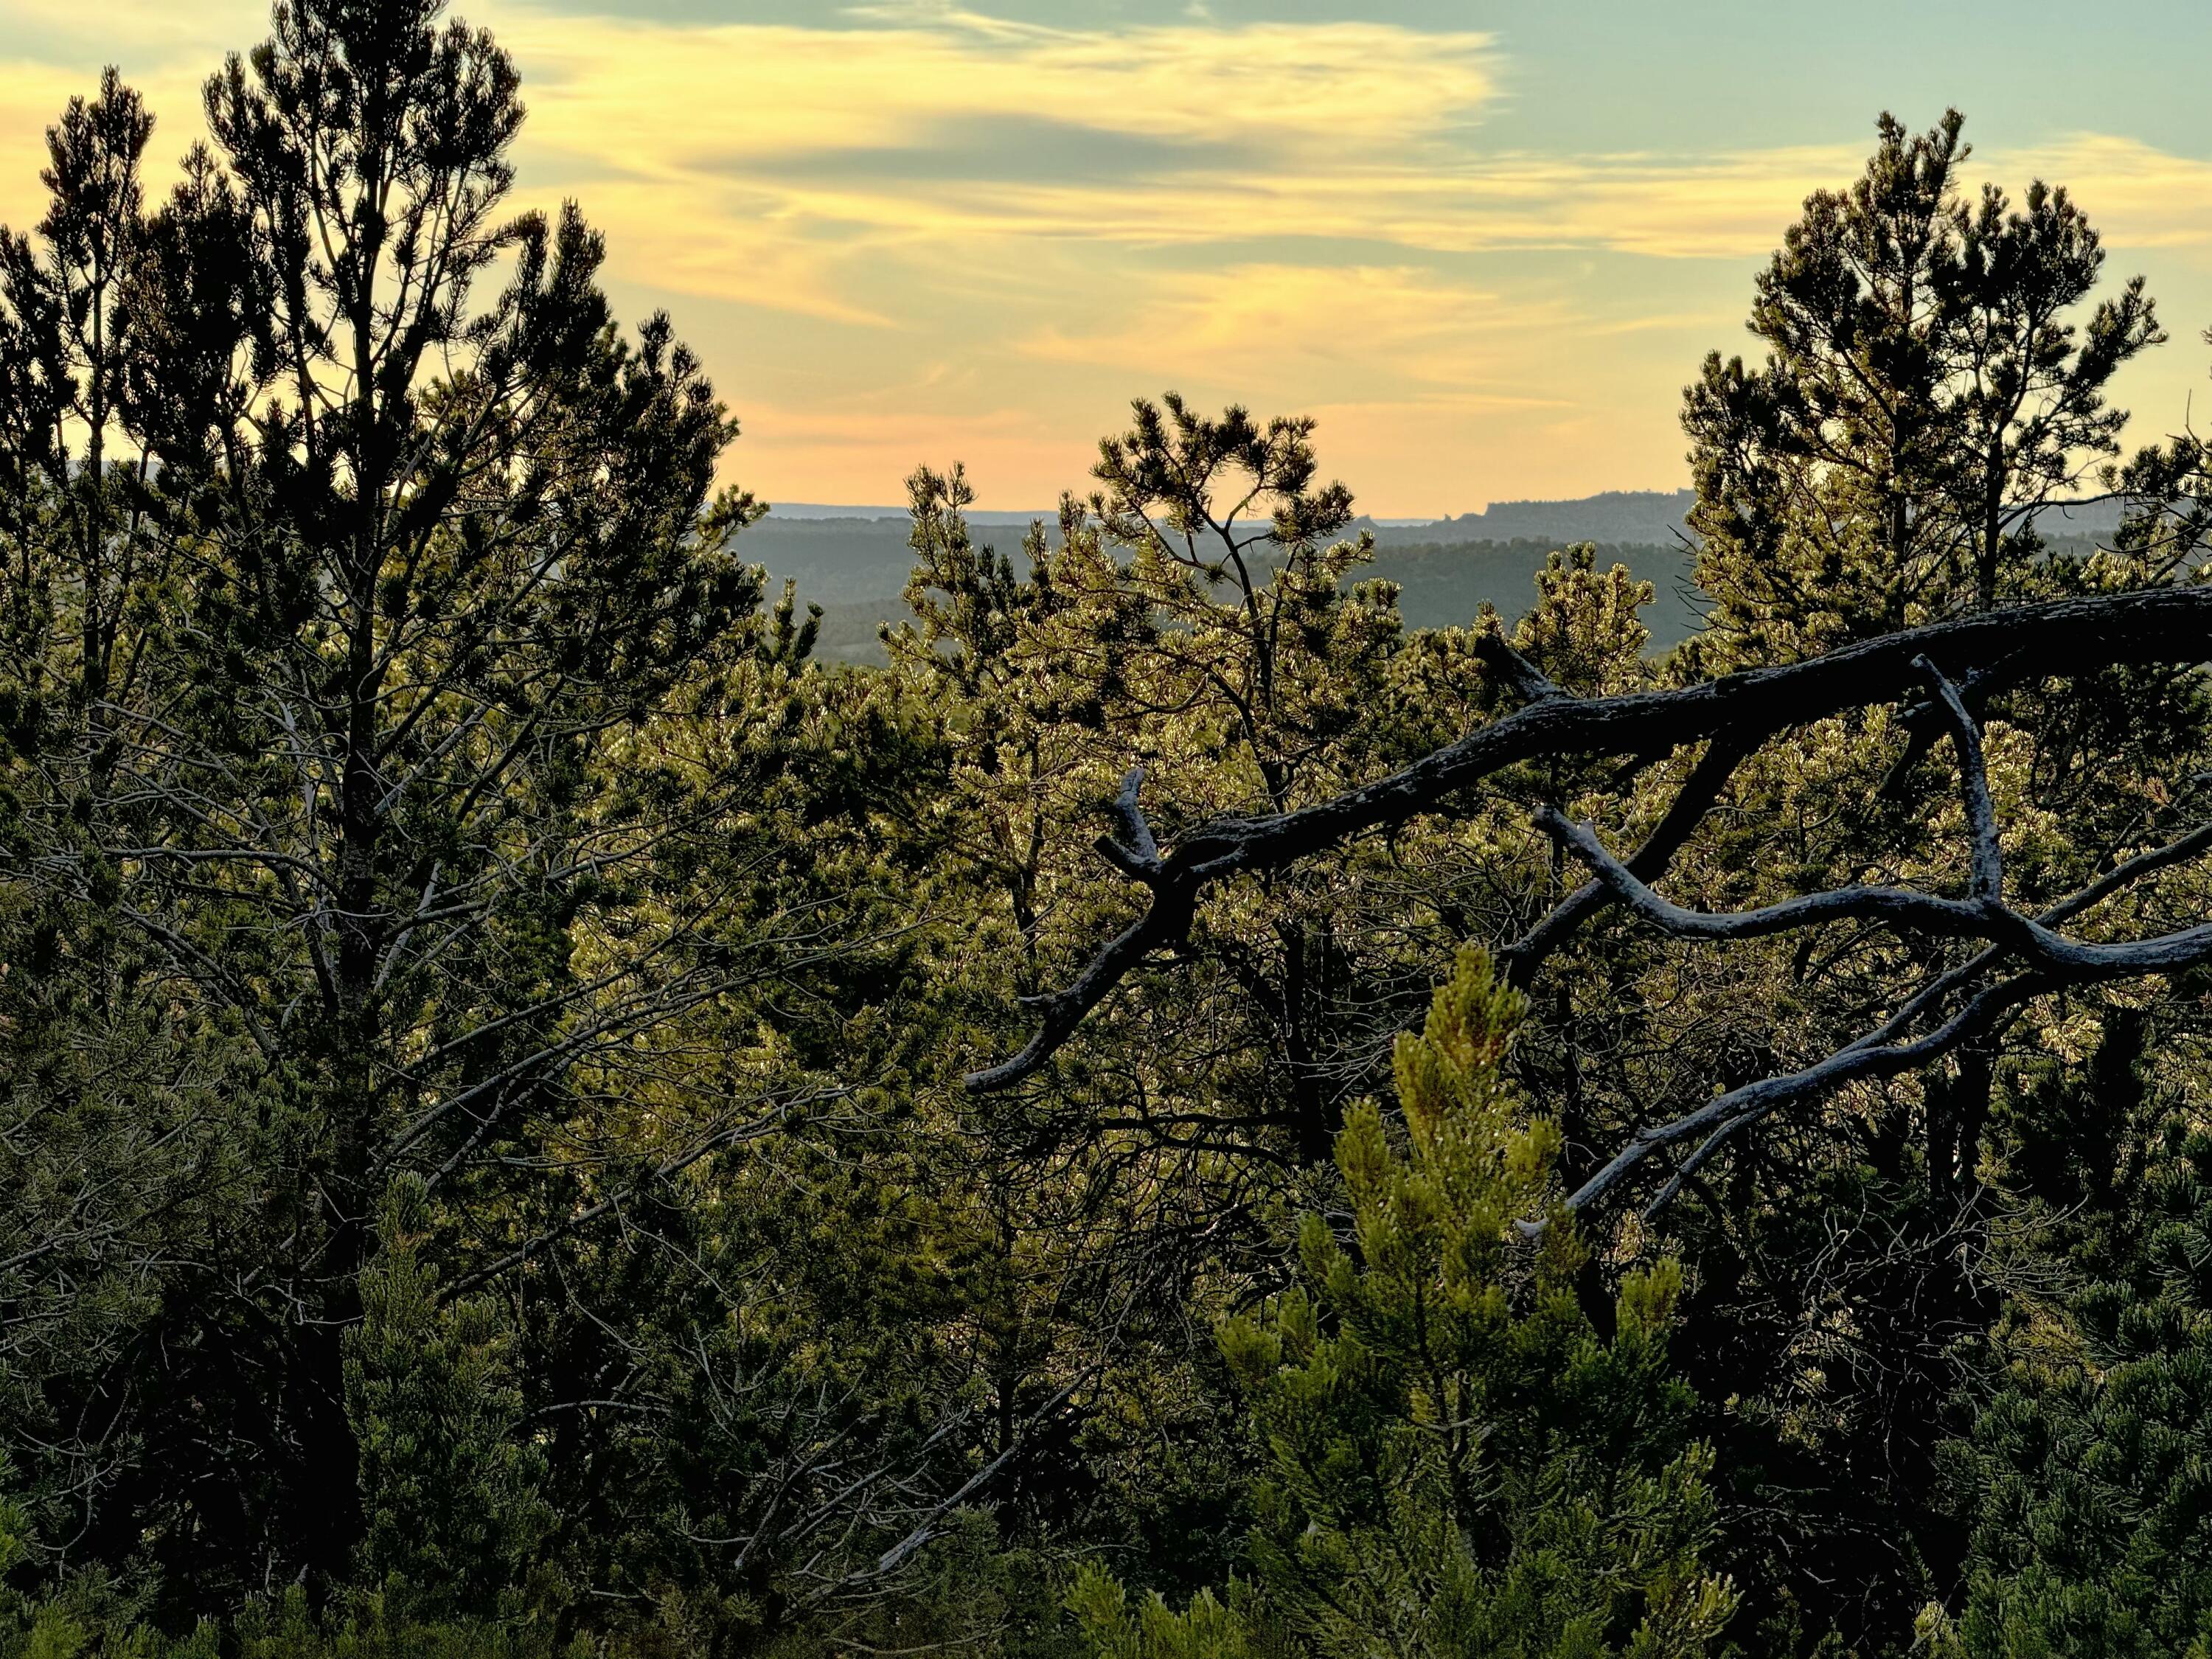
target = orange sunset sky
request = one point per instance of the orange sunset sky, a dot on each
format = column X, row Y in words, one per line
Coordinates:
column 1485, row 243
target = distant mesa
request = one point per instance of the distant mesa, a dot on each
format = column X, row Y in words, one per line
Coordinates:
column 1645, row 516
column 1656, row 518
column 817, row 513
column 853, row 560
column 1649, row 517
column 1652, row 517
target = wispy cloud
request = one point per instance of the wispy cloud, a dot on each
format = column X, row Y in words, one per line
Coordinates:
column 935, row 126
column 923, row 230
column 2139, row 196
column 1263, row 325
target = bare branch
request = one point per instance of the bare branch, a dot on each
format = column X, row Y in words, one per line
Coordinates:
column 1724, row 1113
column 1899, row 906
column 1736, row 714
column 1973, row 781
column 1521, row 959
column 1994, row 648
column 2063, row 962
column 1136, row 855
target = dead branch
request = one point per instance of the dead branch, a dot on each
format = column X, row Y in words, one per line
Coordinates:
column 1732, row 716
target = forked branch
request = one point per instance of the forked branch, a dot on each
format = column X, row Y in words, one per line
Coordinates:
column 1732, row 716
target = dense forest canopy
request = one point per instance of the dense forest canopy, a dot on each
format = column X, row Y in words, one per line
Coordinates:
column 1225, row 1097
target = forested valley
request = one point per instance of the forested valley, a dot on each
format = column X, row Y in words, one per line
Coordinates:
column 1180, row 1116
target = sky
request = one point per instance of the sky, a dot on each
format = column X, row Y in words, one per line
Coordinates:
column 1483, row 244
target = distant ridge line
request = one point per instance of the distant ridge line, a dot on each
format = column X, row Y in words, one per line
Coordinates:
column 823, row 512
column 1652, row 518
column 1649, row 516
column 1613, row 515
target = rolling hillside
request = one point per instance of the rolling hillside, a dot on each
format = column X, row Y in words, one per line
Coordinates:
column 854, row 562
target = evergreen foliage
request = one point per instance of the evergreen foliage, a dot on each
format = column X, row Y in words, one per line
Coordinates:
column 484, row 1164
column 449, row 1489
column 1456, row 1461
column 2087, row 1468
column 1926, row 391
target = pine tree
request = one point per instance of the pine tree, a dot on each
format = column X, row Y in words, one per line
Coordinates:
column 1456, row 1461
column 1937, row 368
column 1926, row 390
column 449, row 1485
column 356, row 562
column 2089, row 1470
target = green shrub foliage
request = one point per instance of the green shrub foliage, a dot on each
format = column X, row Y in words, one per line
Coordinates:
column 1456, row 1461
column 2090, row 1468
